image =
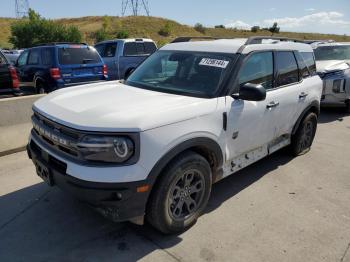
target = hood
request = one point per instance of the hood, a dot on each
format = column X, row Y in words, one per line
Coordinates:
column 112, row 106
column 332, row 65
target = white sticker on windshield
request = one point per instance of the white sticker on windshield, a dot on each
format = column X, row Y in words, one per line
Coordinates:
column 214, row 62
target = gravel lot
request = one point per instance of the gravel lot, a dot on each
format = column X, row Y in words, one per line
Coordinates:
column 279, row 209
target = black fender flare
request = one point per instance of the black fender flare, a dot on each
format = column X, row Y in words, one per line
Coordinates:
column 195, row 143
column 313, row 107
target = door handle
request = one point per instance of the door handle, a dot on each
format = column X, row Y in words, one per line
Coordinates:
column 272, row 104
column 303, row 95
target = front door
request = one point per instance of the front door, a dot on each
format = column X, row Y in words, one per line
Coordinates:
column 252, row 124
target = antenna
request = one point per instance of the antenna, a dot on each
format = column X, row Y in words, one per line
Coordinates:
column 22, row 8
column 135, row 6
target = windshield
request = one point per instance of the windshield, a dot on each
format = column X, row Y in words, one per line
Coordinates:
column 179, row 72
column 77, row 56
column 332, row 53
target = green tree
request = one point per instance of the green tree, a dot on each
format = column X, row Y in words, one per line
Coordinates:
column 274, row 29
column 199, row 28
column 35, row 30
column 255, row 29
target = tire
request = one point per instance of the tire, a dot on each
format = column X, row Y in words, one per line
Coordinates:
column 40, row 88
column 347, row 107
column 169, row 207
column 303, row 138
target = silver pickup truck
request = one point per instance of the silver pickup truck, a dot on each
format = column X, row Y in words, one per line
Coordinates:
column 122, row 56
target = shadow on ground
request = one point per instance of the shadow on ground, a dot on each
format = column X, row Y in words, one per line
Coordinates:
column 332, row 114
column 40, row 223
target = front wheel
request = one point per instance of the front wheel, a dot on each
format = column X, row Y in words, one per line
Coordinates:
column 181, row 195
column 347, row 106
column 304, row 136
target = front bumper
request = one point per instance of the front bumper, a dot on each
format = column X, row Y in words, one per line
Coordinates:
column 116, row 201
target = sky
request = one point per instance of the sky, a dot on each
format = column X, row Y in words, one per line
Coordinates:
column 321, row 16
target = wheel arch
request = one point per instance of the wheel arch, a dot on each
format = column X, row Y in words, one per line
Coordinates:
column 314, row 107
column 206, row 147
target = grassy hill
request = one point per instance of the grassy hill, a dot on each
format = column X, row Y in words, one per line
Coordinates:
column 149, row 27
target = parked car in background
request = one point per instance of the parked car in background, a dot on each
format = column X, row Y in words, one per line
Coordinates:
column 122, row 56
column 58, row 65
column 12, row 55
column 333, row 66
column 9, row 84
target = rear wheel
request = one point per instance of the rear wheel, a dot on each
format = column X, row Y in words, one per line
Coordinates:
column 181, row 195
column 304, row 136
column 40, row 88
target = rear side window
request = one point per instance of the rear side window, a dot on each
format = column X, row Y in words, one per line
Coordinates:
column 46, row 56
column 139, row 48
column 258, row 69
column 77, row 56
column 34, row 57
column 287, row 68
column 107, row 50
column 309, row 60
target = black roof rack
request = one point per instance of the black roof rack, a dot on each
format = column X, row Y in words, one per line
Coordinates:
column 59, row 43
column 250, row 41
column 258, row 39
column 189, row 38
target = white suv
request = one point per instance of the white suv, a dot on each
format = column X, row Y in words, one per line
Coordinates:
column 193, row 113
column 333, row 66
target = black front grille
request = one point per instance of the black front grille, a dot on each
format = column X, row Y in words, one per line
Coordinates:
column 56, row 136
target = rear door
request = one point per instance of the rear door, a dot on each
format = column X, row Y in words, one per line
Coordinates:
column 79, row 64
column 288, row 89
column 108, row 52
column 5, row 77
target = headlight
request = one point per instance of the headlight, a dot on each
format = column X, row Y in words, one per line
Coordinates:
column 110, row 149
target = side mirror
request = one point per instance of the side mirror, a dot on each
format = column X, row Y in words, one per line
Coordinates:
column 251, row 92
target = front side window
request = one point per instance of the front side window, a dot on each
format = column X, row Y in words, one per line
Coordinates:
column 78, row 55
column 107, row 50
column 189, row 73
column 287, row 68
column 258, row 69
column 323, row 53
column 22, row 60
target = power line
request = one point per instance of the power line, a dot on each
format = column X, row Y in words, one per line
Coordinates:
column 136, row 6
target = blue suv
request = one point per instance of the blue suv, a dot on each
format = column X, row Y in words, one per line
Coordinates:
column 57, row 65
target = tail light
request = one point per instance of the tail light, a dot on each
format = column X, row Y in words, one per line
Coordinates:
column 55, row 73
column 14, row 77
column 105, row 71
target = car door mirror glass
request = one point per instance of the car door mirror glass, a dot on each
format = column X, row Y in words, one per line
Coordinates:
column 251, row 92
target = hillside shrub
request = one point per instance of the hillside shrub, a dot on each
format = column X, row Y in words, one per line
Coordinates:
column 199, row 28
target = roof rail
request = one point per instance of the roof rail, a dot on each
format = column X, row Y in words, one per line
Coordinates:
column 60, row 43
column 189, row 38
column 258, row 39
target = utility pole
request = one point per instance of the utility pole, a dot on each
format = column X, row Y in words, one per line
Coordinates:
column 135, row 6
column 22, row 8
